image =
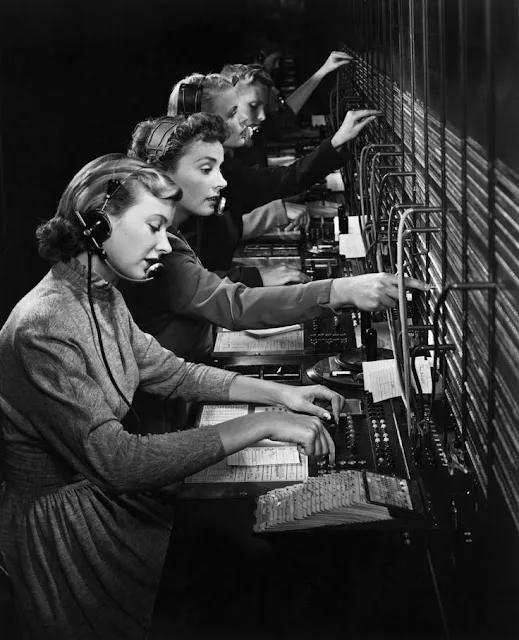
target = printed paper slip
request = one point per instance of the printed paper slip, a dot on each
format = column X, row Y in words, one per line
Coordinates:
column 240, row 341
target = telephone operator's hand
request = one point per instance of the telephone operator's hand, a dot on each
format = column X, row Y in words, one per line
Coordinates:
column 282, row 274
column 307, row 432
column 298, row 216
column 371, row 291
column 353, row 124
column 302, row 399
column 335, row 60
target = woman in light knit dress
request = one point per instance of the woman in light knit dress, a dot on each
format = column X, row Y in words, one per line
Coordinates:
column 83, row 530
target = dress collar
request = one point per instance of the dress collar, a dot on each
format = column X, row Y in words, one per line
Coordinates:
column 77, row 274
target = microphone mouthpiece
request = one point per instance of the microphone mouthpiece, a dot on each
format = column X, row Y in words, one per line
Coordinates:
column 220, row 207
column 154, row 270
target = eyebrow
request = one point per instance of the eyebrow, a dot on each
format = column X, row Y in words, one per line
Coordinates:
column 164, row 219
column 206, row 158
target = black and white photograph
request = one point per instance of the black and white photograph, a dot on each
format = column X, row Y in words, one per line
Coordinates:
column 259, row 319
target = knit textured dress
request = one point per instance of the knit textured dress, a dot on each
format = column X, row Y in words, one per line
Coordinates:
column 83, row 532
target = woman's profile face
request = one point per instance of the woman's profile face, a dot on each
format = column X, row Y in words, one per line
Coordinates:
column 226, row 106
column 252, row 98
column 198, row 175
column 138, row 237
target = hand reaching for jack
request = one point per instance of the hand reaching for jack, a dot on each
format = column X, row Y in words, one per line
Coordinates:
column 335, row 60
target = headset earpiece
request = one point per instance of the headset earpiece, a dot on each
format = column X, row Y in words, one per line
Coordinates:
column 97, row 228
column 190, row 97
column 159, row 137
column 96, row 224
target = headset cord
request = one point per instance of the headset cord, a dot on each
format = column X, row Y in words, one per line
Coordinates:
column 99, row 337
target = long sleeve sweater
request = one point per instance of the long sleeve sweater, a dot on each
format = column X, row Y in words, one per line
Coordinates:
column 214, row 239
column 56, row 391
column 81, row 536
column 180, row 307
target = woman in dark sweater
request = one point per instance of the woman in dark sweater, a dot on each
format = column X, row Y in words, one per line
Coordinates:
column 83, row 531
column 268, row 114
column 250, row 187
column 181, row 306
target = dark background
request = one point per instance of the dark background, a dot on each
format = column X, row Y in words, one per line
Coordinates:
column 77, row 76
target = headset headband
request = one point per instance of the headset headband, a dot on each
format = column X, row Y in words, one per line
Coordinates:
column 190, row 97
column 159, row 136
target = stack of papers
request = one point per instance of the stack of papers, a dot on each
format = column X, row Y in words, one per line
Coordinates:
column 266, row 461
column 222, row 472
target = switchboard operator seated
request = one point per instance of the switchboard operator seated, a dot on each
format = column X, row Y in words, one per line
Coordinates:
column 180, row 307
column 83, row 530
column 268, row 114
column 215, row 238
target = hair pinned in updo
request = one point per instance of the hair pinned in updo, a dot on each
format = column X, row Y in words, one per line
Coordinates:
column 62, row 238
column 184, row 131
column 247, row 73
column 208, row 87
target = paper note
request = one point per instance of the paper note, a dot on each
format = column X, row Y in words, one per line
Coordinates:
column 254, row 456
column 240, row 341
column 351, row 245
column 380, row 378
column 353, row 225
column 216, row 413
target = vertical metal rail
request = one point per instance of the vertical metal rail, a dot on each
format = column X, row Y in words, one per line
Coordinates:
column 425, row 64
column 402, row 79
column 492, row 258
column 371, row 56
column 442, row 44
column 443, row 125
column 385, row 62
column 378, row 65
column 412, row 89
column 462, row 38
column 412, row 69
column 366, row 44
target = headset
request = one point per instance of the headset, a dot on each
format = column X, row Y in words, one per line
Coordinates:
column 159, row 137
column 190, row 97
column 97, row 228
column 156, row 146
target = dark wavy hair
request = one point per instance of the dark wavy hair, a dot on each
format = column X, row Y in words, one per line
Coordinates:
column 185, row 131
column 62, row 238
column 212, row 85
